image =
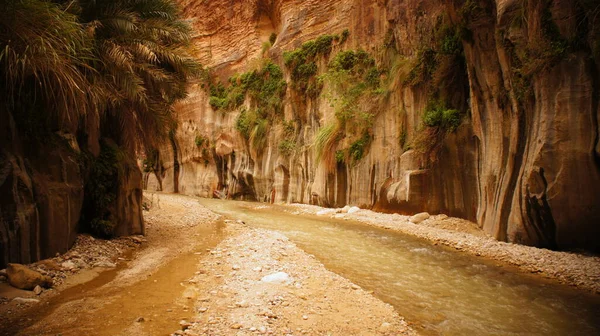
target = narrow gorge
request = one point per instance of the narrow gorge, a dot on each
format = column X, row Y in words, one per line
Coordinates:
column 485, row 110
column 299, row 167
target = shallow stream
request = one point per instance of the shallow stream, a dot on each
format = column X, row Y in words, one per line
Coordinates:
column 438, row 290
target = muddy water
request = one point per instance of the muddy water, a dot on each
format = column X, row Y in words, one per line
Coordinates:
column 105, row 306
column 437, row 290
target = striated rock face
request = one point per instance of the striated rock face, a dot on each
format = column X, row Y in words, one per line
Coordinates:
column 523, row 163
column 42, row 195
column 40, row 204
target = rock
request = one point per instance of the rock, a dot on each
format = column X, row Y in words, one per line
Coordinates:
column 140, row 319
column 38, row 290
column 25, row 300
column 345, row 209
column 262, row 329
column 202, row 309
column 304, row 317
column 442, row 217
column 68, row 265
column 105, row 264
column 279, row 277
column 418, row 218
column 236, row 326
column 353, row 210
column 22, row 277
column 326, row 212
column 138, row 239
column 235, row 267
column 355, row 287
column 185, row 324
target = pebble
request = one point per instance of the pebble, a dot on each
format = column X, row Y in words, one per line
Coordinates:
column 235, row 267
column 355, row 287
column 304, row 317
column 236, row 326
column 140, row 319
column 38, row 290
column 202, row 309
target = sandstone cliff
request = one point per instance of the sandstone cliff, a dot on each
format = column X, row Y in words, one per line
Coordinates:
column 514, row 144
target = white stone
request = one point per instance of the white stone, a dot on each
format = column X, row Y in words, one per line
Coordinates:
column 418, row 218
column 353, row 210
column 68, row 265
column 345, row 209
column 279, row 277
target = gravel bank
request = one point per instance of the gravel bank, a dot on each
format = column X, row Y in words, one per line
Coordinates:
column 233, row 297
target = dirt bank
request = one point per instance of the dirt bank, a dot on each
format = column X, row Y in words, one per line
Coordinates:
column 574, row 269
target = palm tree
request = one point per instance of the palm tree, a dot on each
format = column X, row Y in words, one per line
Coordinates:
column 143, row 48
column 44, row 65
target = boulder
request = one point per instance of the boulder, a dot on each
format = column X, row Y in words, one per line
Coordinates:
column 353, row 210
column 418, row 218
column 21, row 277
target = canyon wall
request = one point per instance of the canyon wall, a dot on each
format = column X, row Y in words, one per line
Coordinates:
column 523, row 161
column 42, row 193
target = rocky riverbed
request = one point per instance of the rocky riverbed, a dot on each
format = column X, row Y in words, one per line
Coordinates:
column 258, row 282
column 185, row 281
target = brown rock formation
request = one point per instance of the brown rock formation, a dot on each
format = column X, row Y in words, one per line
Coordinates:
column 21, row 277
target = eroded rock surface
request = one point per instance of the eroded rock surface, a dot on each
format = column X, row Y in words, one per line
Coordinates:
column 524, row 163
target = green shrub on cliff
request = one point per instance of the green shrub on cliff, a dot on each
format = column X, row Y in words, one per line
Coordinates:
column 437, row 115
column 302, row 63
column 265, row 86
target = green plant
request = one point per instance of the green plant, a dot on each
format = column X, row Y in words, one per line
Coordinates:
column 325, row 141
column 345, row 35
column 340, row 156
column 245, row 122
column 272, row 38
column 101, row 189
column 286, row 147
column 200, row 141
column 258, row 135
column 302, row 63
column 437, row 115
column 359, row 147
column 265, row 87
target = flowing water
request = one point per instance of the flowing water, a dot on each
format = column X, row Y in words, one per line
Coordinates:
column 439, row 291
